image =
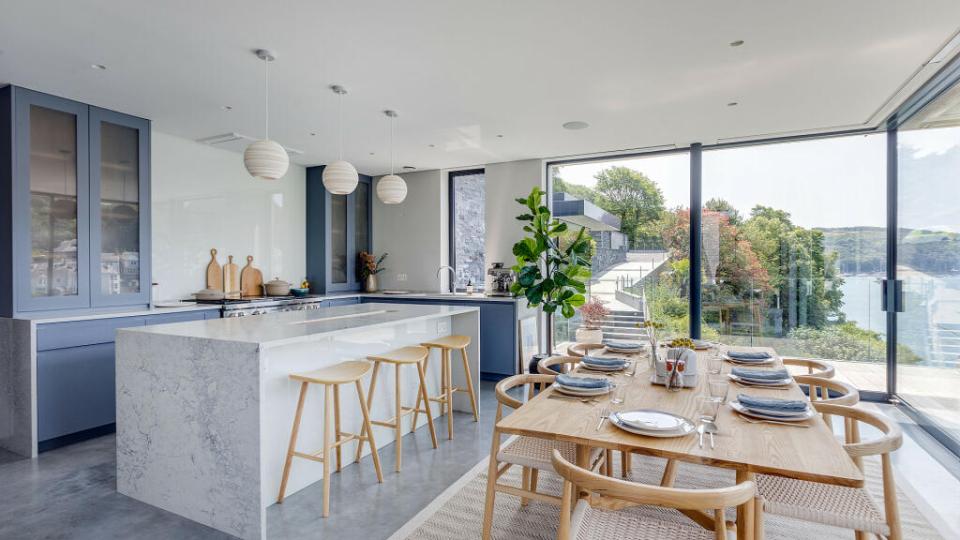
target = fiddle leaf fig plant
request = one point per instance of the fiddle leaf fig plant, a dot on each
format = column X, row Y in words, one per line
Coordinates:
column 549, row 274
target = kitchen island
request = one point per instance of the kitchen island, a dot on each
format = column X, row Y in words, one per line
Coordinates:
column 204, row 408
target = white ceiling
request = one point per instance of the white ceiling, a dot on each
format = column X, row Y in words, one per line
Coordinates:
column 642, row 73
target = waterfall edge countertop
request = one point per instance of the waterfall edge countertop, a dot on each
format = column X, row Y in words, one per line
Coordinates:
column 273, row 329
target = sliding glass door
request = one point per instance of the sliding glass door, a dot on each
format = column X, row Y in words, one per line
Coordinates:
column 928, row 262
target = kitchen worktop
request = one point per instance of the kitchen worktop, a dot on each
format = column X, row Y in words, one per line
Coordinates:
column 423, row 295
column 86, row 315
column 292, row 326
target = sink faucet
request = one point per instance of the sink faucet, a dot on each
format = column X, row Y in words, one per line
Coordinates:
column 453, row 274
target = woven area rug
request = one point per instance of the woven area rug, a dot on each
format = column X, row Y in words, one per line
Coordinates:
column 458, row 513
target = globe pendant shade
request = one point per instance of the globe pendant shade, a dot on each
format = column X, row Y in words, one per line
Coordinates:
column 391, row 189
column 266, row 159
column 340, row 178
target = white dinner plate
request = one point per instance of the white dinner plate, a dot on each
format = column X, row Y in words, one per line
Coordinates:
column 651, row 420
column 583, row 392
column 636, row 350
column 749, row 362
column 754, row 382
column 685, row 428
column 735, row 405
column 597, row 367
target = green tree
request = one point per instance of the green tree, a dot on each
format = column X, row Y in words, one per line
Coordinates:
column 634, row 198
column 576, row 190
column 721, row 206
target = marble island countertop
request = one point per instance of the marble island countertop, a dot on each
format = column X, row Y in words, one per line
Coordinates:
column 281, row 328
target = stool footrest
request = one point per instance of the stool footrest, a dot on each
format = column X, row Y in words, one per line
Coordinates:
column 318, row 457
column 346, row 438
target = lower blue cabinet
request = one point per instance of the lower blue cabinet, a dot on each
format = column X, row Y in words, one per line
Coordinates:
column 341, row 301
column 75, row 390
column 499, row 349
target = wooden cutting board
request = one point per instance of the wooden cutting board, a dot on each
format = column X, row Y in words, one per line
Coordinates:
column 214, row 273
column 251, row 279
column 231, row 278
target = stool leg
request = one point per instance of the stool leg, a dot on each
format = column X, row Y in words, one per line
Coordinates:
column 327, row 405
column 473, row 397
column 336, row 423
column 369, row 402
column 422, row 392
column 369, row 430
column 293, row 441
column 425, row 396
column 399, row 410
column 449, row 400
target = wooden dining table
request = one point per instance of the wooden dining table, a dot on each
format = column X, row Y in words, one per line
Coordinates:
column 812, row 453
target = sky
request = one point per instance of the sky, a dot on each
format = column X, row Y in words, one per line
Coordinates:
column 837, row 182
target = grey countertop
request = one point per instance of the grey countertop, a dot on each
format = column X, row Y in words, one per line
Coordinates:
column 294, row 326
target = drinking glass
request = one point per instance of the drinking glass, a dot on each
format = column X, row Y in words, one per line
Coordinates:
column 714, row 362
column 619, row 394
column 718, row 386
column 709, row 408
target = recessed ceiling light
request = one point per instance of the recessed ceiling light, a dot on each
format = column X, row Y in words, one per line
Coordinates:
column 409, row 168
column 432, row 145
column 227, row 108
column 732, row 104
column 576, row 124
column 373, row 153
column 499, row 136
column 313, row 133
column 101, row 67
column 736, row 43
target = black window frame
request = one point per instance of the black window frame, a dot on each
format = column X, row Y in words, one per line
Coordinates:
column 452, row 223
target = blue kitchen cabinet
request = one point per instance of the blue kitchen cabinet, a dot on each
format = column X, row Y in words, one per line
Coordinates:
column 341, row 301
column 339, row 227
column 74, row 205
column 499, row 347
column 76, row 374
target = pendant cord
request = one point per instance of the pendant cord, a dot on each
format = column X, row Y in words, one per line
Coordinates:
column 266, row 100
column 391, row 145
column 340, row 124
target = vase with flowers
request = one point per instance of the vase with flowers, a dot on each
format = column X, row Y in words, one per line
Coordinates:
column 652, row 327
column 370, row 265
column 592, row 315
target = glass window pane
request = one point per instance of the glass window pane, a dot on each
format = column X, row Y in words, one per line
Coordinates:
column 338, row 238
column 633, row 209
column 119, row 209
column 794, row 248
column 928, row 262
column 53, row 202
column 469, row 229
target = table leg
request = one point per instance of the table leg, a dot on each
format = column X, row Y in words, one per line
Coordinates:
column 583, row 461
column 746, row 514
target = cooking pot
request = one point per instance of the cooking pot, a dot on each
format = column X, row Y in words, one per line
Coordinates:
column 277, row 287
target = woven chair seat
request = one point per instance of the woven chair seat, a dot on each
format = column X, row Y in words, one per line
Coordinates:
column 850, row 508
column 631, row 524
column 536, row 453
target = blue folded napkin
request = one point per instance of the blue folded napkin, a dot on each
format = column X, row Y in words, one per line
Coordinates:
column 622, row 344
column 604, row 362
column 589, row 383
column 772, row 404
column 761, row 374
column 748, row 355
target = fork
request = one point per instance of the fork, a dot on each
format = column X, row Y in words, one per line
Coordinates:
column 774, row 422
column 604, row 414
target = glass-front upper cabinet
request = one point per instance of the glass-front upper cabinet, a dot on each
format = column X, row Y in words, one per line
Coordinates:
column 50, row 190
column 119, row 210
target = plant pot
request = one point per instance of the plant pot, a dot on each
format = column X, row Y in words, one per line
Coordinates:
column 586, row 334
column 370, row 284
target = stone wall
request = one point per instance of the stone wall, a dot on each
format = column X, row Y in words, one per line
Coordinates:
column 470, row 229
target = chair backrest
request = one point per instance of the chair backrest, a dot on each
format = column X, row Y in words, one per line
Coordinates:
column 581, row 349
column 815, row 367
column 891, row 439
column 612, row 493
column 505, row 399
column 565, row 362
column 829, row 390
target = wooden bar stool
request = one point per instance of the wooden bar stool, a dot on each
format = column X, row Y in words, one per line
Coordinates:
column 445, row 398
column 331, row 378
column 401, row 357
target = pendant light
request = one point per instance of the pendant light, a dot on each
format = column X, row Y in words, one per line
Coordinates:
column 266, row 159
column 340, row 177
column 391, row 189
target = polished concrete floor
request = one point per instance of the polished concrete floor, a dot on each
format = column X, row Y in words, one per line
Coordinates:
column 70, row 492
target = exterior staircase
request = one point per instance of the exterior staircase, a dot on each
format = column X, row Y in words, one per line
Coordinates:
column 622, row 324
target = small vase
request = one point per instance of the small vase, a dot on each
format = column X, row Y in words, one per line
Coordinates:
column 370, row 284
column 586, row 334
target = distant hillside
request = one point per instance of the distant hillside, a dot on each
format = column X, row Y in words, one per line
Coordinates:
column 864, row 249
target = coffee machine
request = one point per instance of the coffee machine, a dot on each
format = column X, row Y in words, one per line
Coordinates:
column 501, row 280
